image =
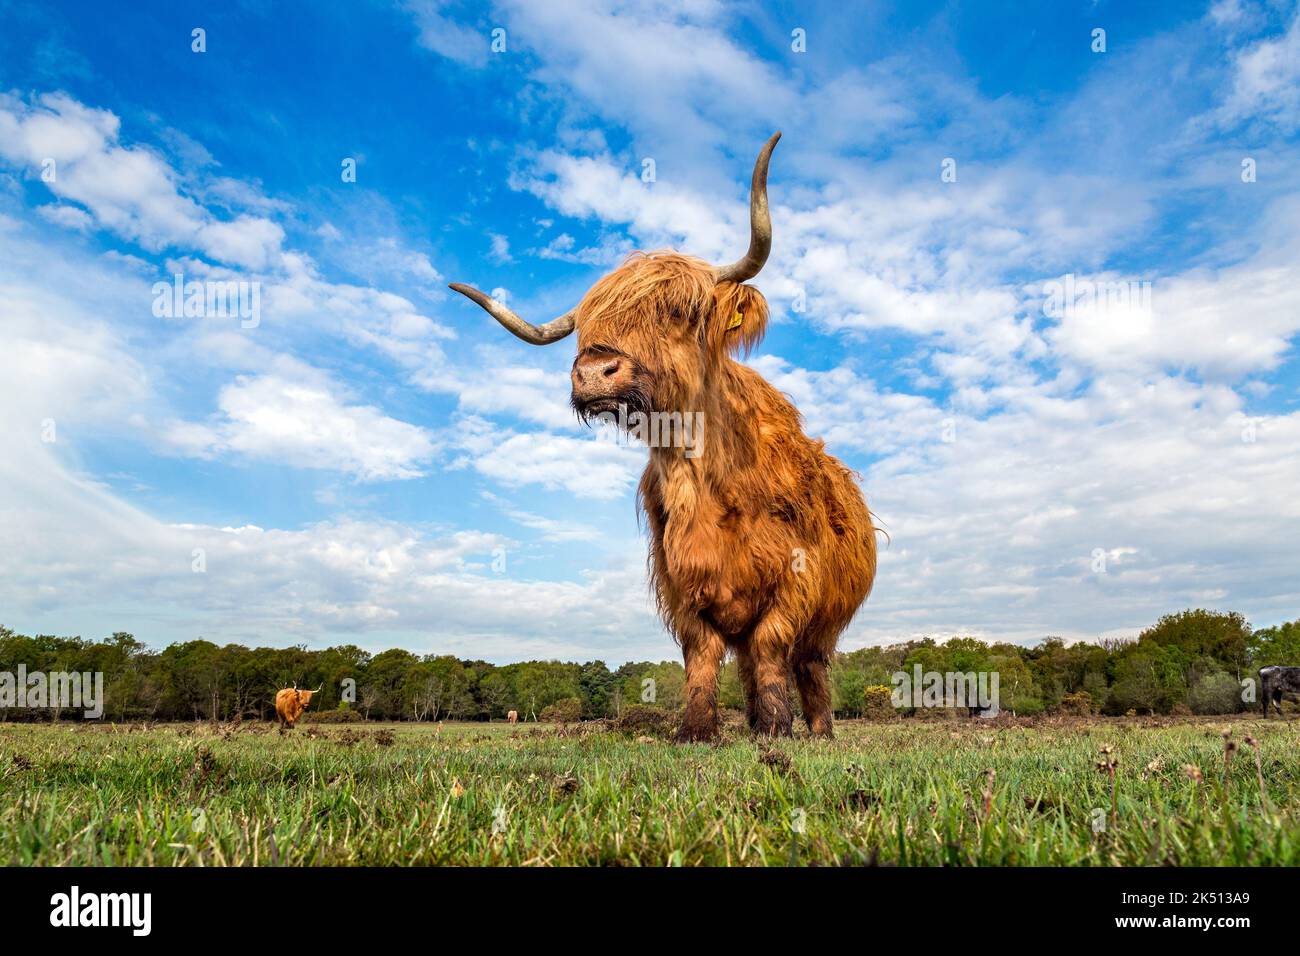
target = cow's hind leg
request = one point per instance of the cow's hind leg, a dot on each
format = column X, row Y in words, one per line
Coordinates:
column 771, row 650
column 748, row 683
column 703, row 650
column 810, row 674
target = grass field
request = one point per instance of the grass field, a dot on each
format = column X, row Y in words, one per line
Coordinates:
column 958, row 793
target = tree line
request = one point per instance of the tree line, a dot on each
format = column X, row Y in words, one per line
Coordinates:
column 1194, row 662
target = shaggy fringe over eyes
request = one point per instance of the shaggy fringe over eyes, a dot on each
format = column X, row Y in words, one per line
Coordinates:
column 648, row 284
column 677, row 288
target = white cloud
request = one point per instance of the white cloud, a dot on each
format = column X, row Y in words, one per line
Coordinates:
column 670, row 69
column 1226, row 322
column 552, row 529
column 69, row 369
column 295, row 417
column 129, row 190
column 443, row 35
column 588, row 467
column 850, row 412
column 1266, row 80
column 500, row 251
column 69, row 217
column 609, row 252
column 532, row 394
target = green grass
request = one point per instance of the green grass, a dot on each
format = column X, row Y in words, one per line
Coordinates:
column 901, row 793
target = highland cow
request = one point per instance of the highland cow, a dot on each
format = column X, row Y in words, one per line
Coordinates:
column 291, row 702
column 760, row 542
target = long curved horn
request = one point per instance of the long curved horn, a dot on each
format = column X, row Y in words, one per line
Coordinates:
column 552, row 331
column 318, row 689
column 760, row 223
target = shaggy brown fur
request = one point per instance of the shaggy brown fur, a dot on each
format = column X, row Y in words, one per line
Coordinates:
column 761, row 543
column 290, row 703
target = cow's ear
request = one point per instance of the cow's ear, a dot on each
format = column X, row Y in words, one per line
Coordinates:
column 739, row 319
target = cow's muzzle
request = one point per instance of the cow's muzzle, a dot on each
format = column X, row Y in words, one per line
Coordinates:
column 602, row 381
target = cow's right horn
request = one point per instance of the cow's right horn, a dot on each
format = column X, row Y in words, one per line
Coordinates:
column 552, row 331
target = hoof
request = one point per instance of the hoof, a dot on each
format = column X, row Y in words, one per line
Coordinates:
column 696, row 735
column 821, row 730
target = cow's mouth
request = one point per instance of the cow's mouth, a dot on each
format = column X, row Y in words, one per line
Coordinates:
column 619, row 406
column 598, row 406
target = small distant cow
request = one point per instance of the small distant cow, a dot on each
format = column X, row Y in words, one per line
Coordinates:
column 513, row 716
column 1276, row 681
column 291, row 702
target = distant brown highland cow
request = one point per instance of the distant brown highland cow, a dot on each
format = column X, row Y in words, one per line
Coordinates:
column 291, row 702
column 761, row 542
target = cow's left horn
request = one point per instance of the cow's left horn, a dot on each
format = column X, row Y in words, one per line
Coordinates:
column 760, row 223
column 318, row 689
column 552, row 331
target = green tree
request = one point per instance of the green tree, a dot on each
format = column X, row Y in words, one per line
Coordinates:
column 596, row 685
column 1136, row 687
column 1222, row 636
column 1275, row 645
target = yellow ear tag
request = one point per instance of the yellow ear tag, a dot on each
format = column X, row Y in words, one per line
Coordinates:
column 736, row 319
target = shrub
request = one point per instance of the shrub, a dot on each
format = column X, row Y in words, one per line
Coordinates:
column 1079, row 704
column 566, row 710
column 643, row 719
column 1025, row 706
column 340, row 716
column 878, row 703
column 1215, row 693
column 939, row 713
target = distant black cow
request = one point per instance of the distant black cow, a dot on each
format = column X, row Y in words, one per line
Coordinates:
column 1276, row 681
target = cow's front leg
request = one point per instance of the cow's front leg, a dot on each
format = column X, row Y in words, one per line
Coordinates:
column 771, row 650
column 703, row 650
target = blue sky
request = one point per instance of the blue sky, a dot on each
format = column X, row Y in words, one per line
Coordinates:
column 376, row 462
